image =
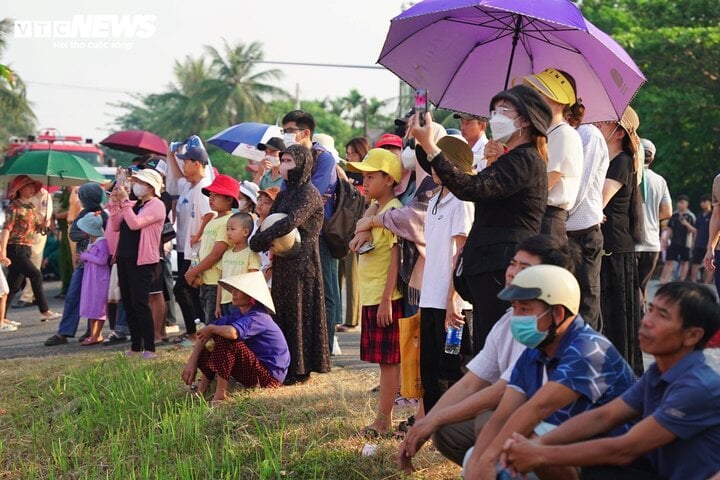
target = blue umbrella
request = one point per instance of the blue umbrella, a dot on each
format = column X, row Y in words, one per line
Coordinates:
column 242, row 139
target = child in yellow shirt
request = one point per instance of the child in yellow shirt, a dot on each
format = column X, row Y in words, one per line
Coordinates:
column 223, row 193
column 237, row 260
column 380, row 298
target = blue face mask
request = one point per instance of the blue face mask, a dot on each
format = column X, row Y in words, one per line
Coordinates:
column 524, row 329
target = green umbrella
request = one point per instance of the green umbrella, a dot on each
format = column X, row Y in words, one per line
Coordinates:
column 52, row 167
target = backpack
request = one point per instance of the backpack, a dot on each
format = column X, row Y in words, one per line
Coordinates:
column 339, row 229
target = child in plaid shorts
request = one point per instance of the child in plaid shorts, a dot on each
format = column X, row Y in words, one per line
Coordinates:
column 381, row 300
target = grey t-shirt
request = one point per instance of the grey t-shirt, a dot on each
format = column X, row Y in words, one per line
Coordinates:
column 657, row 193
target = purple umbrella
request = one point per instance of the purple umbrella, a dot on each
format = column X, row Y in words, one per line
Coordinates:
column 464, row 52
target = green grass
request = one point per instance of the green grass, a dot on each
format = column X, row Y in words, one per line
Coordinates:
column 100, row 415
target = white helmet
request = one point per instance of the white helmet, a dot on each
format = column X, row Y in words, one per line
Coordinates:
column 552, row 284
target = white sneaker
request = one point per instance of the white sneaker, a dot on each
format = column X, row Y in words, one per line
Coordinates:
column 7, row 328
column 13, row 322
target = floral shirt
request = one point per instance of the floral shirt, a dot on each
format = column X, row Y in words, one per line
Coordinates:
column 21, row 219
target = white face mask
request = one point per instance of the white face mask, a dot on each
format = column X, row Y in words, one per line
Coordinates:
column 140, row 190
column 289, row 139
column 502, row 127
column 274, row 161
column 408, row 158
column 242, row 205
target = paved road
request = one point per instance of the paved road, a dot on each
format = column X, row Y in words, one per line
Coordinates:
column 28, row 340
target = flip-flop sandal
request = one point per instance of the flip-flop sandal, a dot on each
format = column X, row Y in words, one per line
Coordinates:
column 89, row 341
column 403, row 427
column 372, row 433
column 179, row 338
column 405, row 402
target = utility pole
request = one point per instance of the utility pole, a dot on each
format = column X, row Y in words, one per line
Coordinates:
column 297, row 96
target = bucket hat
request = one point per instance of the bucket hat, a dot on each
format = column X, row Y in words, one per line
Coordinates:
column 224, row 185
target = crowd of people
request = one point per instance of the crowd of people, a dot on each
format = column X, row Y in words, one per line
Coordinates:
column 537, row 245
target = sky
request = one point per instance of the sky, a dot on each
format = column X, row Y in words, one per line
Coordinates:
column 75, row 69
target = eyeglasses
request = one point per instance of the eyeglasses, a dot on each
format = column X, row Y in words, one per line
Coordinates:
column 501, row 111
column 291, row 130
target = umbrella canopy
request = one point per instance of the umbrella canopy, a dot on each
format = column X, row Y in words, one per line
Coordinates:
column 139, row 142
column 464, row 52
column 242, row 139
column 52, row 167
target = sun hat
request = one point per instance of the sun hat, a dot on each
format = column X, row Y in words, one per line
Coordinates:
column 530, row 105
column 553, row 84
column 151, row 177
column 552, row 284
column 21, row 181
column 379, row 160
column 281, row 246
column 271, row 192
column 389, row 140
column 252, row 284
column 250, row 190
column 274, row 143
column 630, row 122
column 224, row 185
column 456, row 150
column 92, row 224
column 195, row 153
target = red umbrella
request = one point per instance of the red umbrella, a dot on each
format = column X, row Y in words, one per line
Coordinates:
column 136, row 141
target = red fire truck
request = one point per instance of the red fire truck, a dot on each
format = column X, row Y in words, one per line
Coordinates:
column 50, row 139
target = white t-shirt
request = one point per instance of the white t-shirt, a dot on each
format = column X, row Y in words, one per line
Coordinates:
column 452, row 217
column 478, row 150
column 191, row 207
column 565, row 155
column 588, row 210
column 657, row 194
column 497, row 358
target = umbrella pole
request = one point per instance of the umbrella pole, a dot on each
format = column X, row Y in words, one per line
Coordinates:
column 516, row 36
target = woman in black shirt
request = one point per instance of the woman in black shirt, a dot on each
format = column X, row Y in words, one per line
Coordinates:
column 622, row 229
column 510, row 196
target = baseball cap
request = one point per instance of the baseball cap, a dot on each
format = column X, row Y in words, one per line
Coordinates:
column 649, row 146
column 378, row 160
column 197, row 154
column 467, row 116
column 274, row 143
column 389, row 140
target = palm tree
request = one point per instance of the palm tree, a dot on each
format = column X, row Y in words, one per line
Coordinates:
column 18, row 117
column 238, row 93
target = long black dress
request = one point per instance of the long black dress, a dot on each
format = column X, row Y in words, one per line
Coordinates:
column 297, row 288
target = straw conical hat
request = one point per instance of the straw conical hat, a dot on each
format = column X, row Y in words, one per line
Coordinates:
column 252, row 284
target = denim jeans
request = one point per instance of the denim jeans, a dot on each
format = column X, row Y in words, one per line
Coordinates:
column 121, row 325
column 331, row 289
column 208, row 297
column 71, row 310
column 170, row 318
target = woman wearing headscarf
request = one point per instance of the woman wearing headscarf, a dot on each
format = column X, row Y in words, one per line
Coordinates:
column 622, row 229
column 140, row 224
column 510, row 196
column 297, row 276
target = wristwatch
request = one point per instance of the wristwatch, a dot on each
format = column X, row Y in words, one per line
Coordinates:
column 431, row 156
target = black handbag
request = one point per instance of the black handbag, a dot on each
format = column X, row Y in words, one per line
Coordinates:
column 168, row 233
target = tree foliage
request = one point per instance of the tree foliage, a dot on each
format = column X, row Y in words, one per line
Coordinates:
column 675, row 44
column 17, row 116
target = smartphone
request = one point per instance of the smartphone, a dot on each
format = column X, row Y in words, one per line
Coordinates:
column 421, row 104
column 120, row 176
column 366, row 247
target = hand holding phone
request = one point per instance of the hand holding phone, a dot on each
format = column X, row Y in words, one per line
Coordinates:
column 421, row 104
column 366, row 247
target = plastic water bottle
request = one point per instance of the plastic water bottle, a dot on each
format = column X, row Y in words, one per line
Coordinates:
column 210, row 344
column 453, row 340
